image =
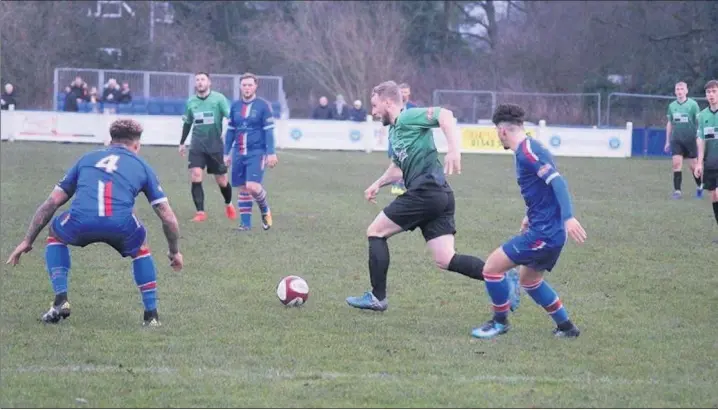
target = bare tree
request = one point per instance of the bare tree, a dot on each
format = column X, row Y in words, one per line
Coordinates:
column 345, row 47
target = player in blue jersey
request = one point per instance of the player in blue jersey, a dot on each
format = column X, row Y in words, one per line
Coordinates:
column 105, row 184
column 549, row 220
column 399, row 187
column 249, row 147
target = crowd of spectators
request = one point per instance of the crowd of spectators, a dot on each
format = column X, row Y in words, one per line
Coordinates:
column 78, row 93
column 339, row 111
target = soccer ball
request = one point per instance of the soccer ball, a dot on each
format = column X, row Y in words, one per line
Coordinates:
column 293, row 291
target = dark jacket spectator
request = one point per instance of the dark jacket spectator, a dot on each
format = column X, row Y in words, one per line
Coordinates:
column 8, row 97
column 340, row 109
column 323, row 111
column 71, row 100
column 111, row 94
column 357, row 112
column 125, row 96
column 78, row 88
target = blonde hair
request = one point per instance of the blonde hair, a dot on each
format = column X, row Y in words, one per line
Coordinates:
column 388, row 90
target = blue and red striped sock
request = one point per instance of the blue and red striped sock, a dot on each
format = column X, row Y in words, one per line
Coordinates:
column 143, row 269
column 542, row 293
column 498, row 288
column 244, row 204
column 261, row 199
column 57, row 259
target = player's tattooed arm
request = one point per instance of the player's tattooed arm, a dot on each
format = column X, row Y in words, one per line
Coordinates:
column 390, row 176
column 44, row 213
column 169, row 225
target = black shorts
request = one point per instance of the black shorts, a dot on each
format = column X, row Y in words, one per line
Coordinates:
column 428, row 205
column 213, row 161
column 686, row 149
column 710, row 179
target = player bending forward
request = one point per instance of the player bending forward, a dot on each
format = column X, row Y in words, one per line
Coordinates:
column 249, row 146
column 204, row 115
column 428, row 202
column 104, row 183
column 549, row 218
column 707, row 165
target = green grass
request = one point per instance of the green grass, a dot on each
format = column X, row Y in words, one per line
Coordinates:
column 642, row 289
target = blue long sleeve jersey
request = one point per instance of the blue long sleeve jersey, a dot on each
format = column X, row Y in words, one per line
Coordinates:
column 251, row 127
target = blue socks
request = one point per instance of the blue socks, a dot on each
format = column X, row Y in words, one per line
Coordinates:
column 57, row 259
column 498, row 288
column 261, row 199
column 546, row 297
column 244, row 203
column 143, row 268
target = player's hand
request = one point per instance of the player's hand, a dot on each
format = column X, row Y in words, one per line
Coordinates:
column 271, row 160
column 176, row 261
column 575, row 230
column 371, row 193
column 667, row 148
column 525, row 224
column 698, row 170
column 14, row 259
column 227, row 160
column 452, row 163
column 182, row 149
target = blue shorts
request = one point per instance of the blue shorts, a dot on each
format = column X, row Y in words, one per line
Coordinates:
column 248, row 168
column 533, row 250
column 126, row 235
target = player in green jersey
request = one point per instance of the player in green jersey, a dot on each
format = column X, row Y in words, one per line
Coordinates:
column 707, row 166
column 681, row 137
column 205, row 115
column 428, row 202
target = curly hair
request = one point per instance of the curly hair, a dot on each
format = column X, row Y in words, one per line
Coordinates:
column 509, row 113
column 126, row 130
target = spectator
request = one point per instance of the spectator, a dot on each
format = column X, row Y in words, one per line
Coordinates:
column 94, row 100
column 125, row 96
column 71, row 100
column 322, row 112
column 8, row 98
column 77, row 91
column 340, row 109
column 357, row 112
column 111, row 94
column 406, row 95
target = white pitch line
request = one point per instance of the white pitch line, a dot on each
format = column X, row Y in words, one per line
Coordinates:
column 269, row 374
column 298, row 155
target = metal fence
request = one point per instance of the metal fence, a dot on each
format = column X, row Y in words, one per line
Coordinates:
column 644, row 110
column 166, row 85
column 471, row 106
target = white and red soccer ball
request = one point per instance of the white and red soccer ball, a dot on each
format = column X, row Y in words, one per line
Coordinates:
column 293, row 291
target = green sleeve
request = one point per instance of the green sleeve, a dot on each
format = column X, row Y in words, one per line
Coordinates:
column 668, row 112
column 188, row 117
column 421, row 117
column 224, row 106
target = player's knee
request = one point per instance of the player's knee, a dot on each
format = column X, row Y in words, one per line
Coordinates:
column 142, row 252
column 254, row 188
column 195, row 174
column 677, row 163
column 443, row 259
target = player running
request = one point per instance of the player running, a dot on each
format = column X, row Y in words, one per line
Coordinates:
column 249, row 146
column 204, row 115
column 681, row 137
column 104, row 183
column 429, row 200
column 549, row 219
column 398, row 187
column 707, row 166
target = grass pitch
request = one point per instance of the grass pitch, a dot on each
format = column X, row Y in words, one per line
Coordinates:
column 642, row 289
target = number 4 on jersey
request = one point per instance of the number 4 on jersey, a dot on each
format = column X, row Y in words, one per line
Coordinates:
column 108, row 164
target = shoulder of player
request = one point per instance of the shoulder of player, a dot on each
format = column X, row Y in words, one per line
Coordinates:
column 217, row 95
column 409, row 112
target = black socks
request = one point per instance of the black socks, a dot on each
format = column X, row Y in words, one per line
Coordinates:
column 198, row 196
column 378, row 265
column 467, row 265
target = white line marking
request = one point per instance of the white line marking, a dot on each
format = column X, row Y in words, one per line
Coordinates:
column 298, row 155
column 271, row 374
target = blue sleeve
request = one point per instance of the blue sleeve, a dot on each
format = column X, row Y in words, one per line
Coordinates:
column 231, row 132
column 268, row 122
column 538, row 159
column 68, row 183
column 152, row 189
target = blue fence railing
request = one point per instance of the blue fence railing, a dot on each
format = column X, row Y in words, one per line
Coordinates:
column 649, row 142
